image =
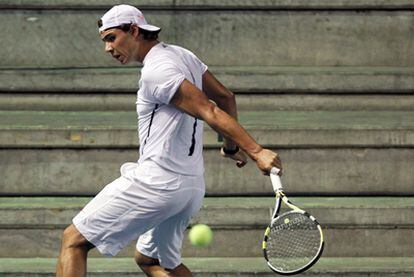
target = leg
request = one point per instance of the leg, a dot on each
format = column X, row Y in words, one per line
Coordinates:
column 164, row 242
column 73, row 254
column 180, row 271
column 151, row 267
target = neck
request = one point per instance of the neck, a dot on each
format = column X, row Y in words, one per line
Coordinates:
column 145, row 48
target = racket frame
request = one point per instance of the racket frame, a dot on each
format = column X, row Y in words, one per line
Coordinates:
column 280, row 196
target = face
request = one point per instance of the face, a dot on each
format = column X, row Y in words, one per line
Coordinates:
column 121, row 45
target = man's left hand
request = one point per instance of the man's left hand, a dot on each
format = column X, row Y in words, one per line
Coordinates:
column 240, row 157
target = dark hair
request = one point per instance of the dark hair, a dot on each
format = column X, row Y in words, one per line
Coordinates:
column 148, row 35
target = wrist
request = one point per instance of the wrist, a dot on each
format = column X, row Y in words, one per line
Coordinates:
column 253, row 154
column 228, row 151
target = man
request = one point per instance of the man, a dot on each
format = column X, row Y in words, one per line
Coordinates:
column 154, row 199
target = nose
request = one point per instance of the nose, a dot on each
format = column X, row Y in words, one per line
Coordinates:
column 108, row 47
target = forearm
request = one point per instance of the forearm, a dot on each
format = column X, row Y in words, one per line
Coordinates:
column 228, row 105
column 233, row 132
column 223, row 98
column 194, row 102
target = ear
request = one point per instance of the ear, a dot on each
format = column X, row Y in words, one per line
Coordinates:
column 134, row 31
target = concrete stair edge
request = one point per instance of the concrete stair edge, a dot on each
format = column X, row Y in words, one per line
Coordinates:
column 243, row 79
column 211, row 4
column 342, row 266
column 222, row 212
column 55, row 101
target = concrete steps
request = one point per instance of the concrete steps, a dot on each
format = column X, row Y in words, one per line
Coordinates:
column 353, row 226
column 104, row 267
column 357, row 152
column 331, row 90
column 239, row 78
column 345, row 242
column 245, row 102
column 306, row 129
column 366, row 171
column 324, row 35
column 209, row 4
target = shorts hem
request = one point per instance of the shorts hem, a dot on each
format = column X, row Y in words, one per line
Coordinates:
column 170, row 266
column 102, row 248
column 146, row 253
column 162, row 264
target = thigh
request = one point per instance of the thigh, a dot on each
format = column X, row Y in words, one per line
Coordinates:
column 129, row 207
column 104, row 220
column 107, row 199
column 165, row 240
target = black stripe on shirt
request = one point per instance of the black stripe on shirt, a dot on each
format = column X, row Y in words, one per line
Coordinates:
column 149, row 127
column 193, row 141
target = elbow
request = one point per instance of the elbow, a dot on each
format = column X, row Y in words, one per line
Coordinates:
column 226, row 99
column 230, row 96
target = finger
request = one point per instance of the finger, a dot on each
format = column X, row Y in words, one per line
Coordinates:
column 278, row 163
column 240, row 164
column 238, row 157
column 242, row 156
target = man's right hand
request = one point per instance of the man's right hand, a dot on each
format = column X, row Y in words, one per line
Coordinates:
column 266, row 159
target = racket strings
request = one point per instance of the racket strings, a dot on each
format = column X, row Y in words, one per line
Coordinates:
column 294, row 241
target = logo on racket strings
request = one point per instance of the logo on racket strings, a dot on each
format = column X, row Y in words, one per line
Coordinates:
column 288, row 223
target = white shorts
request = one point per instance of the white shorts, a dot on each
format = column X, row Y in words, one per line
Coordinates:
column 148, row 202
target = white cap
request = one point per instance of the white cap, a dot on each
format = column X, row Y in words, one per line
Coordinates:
column 125, row 14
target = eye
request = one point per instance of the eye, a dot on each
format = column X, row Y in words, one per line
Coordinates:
column 109, row 38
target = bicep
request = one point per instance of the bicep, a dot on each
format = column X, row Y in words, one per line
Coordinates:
column 192, row 101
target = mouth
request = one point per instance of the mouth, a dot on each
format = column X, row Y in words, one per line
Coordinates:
column 120, row 58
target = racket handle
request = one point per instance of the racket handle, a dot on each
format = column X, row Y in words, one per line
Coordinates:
column 276, row 182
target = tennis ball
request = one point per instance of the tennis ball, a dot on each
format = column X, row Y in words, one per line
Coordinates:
column 200, row 235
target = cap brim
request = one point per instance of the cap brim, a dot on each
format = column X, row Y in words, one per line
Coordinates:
column 106, row 27
column 149, row 27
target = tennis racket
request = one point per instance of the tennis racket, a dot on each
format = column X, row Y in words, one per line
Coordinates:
column 293, row 241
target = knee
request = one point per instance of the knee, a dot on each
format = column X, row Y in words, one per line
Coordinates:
column 72, row 238
column 145, row 261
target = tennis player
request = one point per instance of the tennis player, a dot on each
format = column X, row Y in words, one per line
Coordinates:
column 154, row 199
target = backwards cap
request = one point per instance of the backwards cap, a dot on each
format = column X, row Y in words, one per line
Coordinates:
column 125, row 14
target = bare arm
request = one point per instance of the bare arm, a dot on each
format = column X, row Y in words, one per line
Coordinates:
column 223, row 97
column 226, row 101
column 191, row 100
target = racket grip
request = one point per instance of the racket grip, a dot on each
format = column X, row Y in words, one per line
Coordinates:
column 275, row 179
